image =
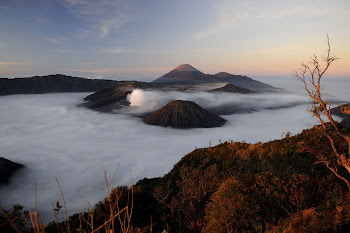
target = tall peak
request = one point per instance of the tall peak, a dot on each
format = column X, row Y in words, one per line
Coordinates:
column 185, row 67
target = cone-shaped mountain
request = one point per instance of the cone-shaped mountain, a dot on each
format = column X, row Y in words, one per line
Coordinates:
column 184, row 114
column 184, row 73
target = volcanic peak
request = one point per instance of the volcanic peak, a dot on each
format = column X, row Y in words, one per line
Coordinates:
column 185, row 67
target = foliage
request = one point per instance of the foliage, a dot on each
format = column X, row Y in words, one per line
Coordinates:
column 310, row 76
column 16, row 216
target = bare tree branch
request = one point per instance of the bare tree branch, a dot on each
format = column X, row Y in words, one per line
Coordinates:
column 310, row 76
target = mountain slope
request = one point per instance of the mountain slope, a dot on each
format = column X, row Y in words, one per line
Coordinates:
column 184, row 114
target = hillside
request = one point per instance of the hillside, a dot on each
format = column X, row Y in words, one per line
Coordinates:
column 254, row 188
column 238, row 187
column 184, row 114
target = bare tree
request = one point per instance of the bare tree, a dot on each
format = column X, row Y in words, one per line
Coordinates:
column 310, row 76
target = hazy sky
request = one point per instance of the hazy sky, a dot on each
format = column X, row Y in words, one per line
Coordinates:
column 145, row 39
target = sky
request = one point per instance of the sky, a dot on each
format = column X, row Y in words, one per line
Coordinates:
column 143, row 40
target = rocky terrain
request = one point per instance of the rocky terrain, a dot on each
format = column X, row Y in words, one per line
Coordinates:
column 184, row 114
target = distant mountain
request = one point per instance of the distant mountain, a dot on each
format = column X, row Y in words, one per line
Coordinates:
column 242, row 81
column 185, row 68
column 184, row 114
column 230, row 88
column 7, row 169
column 187, row 74
column 63, row 83
column 52, row 83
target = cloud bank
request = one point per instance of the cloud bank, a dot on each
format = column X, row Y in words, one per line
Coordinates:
column 51, row 136
column 219, row 103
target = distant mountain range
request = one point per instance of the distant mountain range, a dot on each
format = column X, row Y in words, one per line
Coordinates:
column 63, row 83
column 187, row 74
column 181, row 76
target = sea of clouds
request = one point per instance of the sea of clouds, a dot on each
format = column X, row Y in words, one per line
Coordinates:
column 51, row 136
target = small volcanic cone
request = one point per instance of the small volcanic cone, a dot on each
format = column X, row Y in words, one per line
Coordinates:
column 184, row 114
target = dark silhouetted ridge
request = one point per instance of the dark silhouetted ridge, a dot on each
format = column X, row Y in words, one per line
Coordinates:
column 52, row 83
column 184, row 114
column 7, row 168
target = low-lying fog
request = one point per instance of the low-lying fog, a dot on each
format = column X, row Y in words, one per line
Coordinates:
column 51, row 136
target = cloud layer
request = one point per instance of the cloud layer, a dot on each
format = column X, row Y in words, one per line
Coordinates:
column 52, row 137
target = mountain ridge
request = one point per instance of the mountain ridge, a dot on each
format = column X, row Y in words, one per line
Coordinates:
column 185, row 67
column 187, row 74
